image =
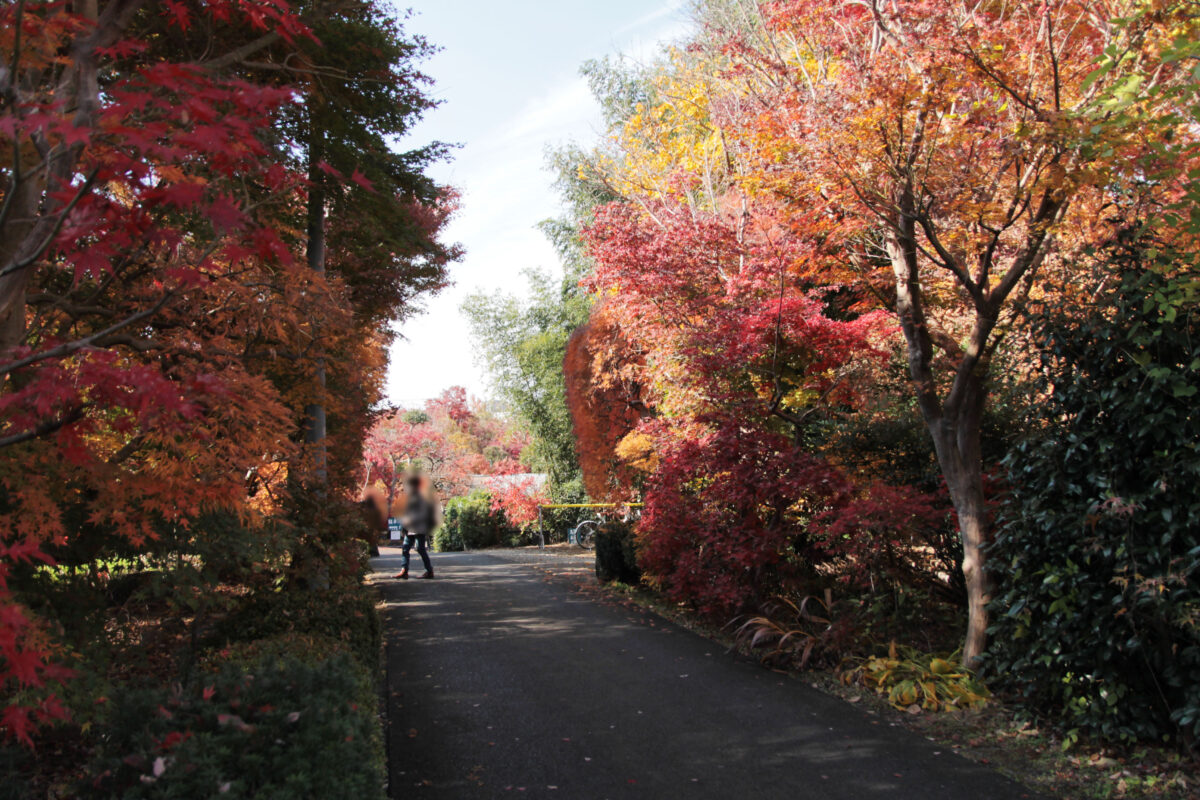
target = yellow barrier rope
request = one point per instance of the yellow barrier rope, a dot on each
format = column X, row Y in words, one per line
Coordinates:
column 590, row 505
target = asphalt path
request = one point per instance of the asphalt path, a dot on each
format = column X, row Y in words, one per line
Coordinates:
column 503, row 681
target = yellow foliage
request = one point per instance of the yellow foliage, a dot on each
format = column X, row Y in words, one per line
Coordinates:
column 907, row 677
column 637, row 450
column 672, row 148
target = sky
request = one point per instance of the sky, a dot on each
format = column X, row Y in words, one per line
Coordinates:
column 508, row 81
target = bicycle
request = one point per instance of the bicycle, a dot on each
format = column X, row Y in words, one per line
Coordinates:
column 584, row 534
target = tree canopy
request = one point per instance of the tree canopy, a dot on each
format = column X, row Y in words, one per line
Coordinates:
column 159, row 325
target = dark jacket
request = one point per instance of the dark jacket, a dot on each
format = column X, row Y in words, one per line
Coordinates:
column 419, row 515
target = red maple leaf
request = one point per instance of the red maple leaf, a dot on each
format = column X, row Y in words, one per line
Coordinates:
column 362, row 181
column 225, row 215
column 25, row 666
column 15, row 721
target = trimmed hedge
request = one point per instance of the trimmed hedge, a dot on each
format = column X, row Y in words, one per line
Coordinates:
column 271, row 728
column 283, row 705
column 470, row 523
column 616, row 554
column 347, row 616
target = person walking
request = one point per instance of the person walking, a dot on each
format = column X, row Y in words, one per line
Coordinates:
column 419, row 520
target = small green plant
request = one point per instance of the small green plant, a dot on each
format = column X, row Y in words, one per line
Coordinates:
column 909, row 677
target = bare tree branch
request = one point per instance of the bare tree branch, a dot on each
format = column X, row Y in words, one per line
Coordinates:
column 67, row 348
column 44, row 429
column 237, row 54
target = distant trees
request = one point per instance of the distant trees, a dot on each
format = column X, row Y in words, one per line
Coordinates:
column 522, row 344
column 451, row 440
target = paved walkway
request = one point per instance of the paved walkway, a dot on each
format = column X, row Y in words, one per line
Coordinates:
column 503, row 682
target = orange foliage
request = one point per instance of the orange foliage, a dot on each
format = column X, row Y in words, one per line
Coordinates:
column 606, row 404
column 159, row 331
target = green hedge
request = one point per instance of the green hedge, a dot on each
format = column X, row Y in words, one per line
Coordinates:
column 283, row 705
column 269, row 729
column 346, row 615
column 470, row 523
column 1097, row 554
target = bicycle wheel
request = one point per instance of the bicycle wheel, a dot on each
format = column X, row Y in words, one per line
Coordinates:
column 585, row 534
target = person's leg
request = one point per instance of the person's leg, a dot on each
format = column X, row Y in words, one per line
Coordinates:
column 404, row 555
column 424, row 554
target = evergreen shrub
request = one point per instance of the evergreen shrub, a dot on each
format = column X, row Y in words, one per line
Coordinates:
column 1097, row 554
column 347, row 616
column 616, row 554
column 470, row 523
column 273, row 729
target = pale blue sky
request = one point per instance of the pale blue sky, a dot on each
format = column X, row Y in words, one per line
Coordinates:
column 508, row 79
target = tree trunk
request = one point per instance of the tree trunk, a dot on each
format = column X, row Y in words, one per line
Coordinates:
column 313, row 424
column 17, row 236
column 956, row 438
column 953, row 423
column 30, row 219
column 366, row 483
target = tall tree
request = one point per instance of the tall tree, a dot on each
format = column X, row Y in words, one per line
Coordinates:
column 157, row 306
column 523, row 344
column 943, row 143
column 524, row 341
column 126, row 231
column 362, row 92
column 930, row 158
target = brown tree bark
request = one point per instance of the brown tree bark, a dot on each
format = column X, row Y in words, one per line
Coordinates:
column 313, row 423
column 953, row 407
column 29, row 220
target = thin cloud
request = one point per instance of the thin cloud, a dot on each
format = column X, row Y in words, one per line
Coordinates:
column 645, row 20
column 563, row 108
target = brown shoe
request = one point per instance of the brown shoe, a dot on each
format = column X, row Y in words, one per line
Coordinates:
column 403, row 575
column 427, row 575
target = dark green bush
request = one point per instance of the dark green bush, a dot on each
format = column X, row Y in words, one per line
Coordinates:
column 329, row 544
column 14, row 760
column 307, row 648
column 616, row 554
column 470, row 523
column 180, row 568
column 345, row 615
column 270, row 729
column 227, row 550
column 1097, row 553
